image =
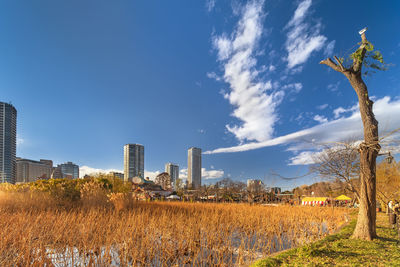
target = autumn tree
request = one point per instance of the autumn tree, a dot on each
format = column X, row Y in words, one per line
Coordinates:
column 387, row 182
column 369, row 148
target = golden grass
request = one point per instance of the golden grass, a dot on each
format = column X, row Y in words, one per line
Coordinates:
column 36, row 230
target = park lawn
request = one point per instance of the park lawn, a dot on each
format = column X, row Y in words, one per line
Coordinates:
column 339, row 250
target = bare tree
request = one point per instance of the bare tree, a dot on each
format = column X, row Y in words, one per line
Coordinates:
column 164, row 180
column 369, row 148
column 340, row 163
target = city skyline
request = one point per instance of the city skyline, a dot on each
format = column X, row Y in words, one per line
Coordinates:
column 222, row 77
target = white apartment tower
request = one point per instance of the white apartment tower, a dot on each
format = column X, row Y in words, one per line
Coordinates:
column 173, row 171
column 194, row 168
column 133, row 161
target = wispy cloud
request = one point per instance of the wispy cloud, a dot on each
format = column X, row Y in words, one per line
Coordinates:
column 322, row 107
column 328, row 51
column 320, row 119
column 210, row 4
column 337, row 112
column 333, row 87
column 303, row 158
column 293, row 87
column 302, row 37
column 253, row 99
column 213, row 75
column 387, row 112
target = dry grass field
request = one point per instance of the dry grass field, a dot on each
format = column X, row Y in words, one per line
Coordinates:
column 110, row 229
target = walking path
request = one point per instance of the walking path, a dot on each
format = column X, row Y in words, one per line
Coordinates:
column 339, row 250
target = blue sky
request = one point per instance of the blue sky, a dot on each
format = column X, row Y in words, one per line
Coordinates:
column 240, row 77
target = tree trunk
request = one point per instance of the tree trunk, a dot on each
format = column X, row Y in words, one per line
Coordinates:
column 369, row 149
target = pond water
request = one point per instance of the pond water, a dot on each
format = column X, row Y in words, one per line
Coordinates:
column 240, row 249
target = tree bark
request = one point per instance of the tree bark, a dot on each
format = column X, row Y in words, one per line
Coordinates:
column 369, row 149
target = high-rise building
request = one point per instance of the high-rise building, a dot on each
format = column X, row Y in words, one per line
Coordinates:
column 66, row 170
column 133, row 161
column 31, row 170
column 117, row 175
column 194, row 168
column 173, row 171
column 8, row 142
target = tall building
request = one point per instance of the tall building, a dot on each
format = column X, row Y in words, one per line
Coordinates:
column 194, row 168
column 66, row 170
column 8, row 142
column 173, row 171
column 31, row 170
column 133, row 161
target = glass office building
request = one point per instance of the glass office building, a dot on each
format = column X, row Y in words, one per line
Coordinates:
column 69, row 170
column 133, row 161
column 8, row 142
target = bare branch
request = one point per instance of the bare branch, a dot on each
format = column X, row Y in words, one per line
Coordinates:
column 329, row 62
column 275, row 174
column 340, row 63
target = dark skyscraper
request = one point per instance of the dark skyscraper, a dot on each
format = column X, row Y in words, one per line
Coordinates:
column 8, row 143
column 133, row 161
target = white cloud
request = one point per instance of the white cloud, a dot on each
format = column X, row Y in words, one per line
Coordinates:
column 322, row 107
column 320, row 119
column 86, row 170
column 338, row 111
column 271, row 68
column 328, row 51
column 224, row 46
column 313, row 156
column 213, row 75
column 151, row 174
column 183, row 173
column 296, row 70
column 303, row 158
column 387, row 112
column 20, row 141
column 205, row 174
column 253, row 106
column 302, row 38
column 333, row 86
column 210, row 4
column 211, row 174
column 293, row 87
